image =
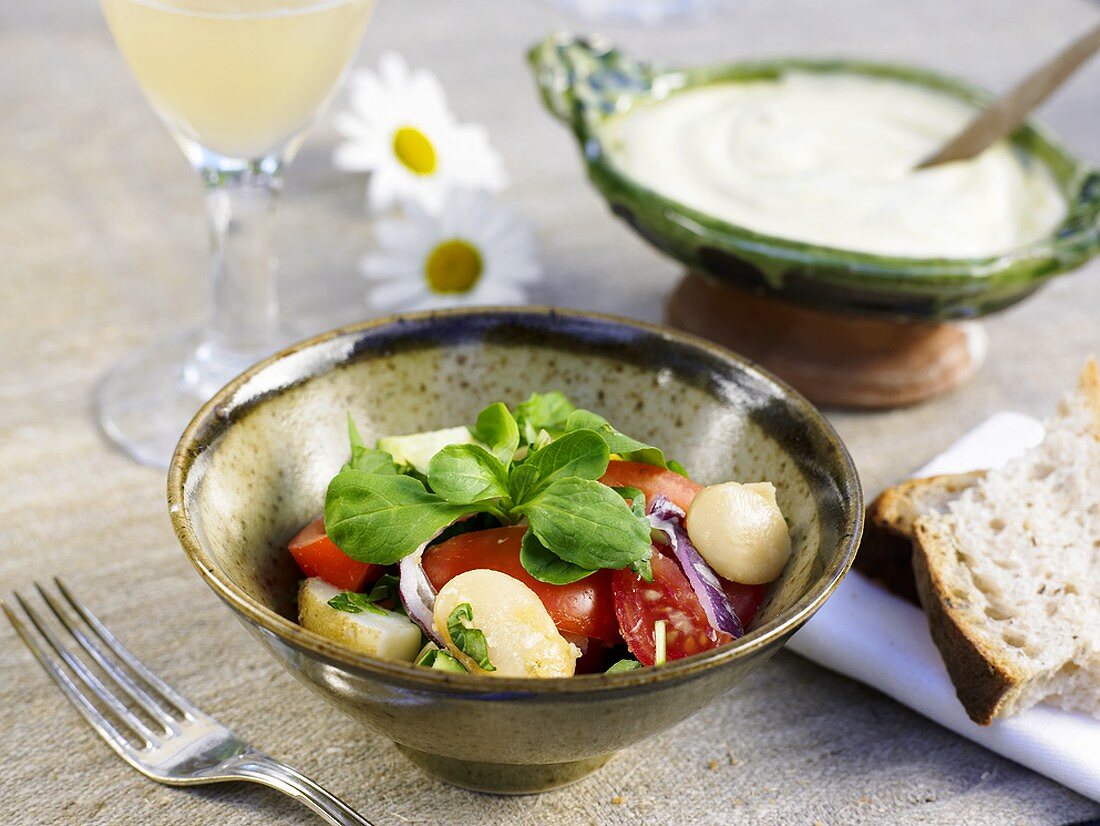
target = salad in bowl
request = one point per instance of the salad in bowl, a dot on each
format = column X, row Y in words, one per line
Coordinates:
column 538, row 542
column 498, row 536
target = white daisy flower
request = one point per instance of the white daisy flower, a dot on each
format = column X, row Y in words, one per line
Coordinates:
column 401, row 130
column 473, row 251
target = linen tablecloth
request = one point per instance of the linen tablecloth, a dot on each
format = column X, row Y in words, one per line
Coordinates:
column 103, row 243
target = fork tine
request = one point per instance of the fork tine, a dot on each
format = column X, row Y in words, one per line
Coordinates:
column 185, row 706
column 117, row 674
column 103, row 727
column 87, row 677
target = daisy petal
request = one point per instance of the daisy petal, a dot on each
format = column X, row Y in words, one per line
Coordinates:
column 354, row 157
column 393, row 69
column 396, row 97
column 501, row 294
column 350, row 125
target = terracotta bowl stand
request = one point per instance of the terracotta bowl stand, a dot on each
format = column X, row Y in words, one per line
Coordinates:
column 833, row 359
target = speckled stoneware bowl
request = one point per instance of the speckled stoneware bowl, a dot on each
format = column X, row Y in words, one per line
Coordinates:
column 585, row 81
column 253, row 466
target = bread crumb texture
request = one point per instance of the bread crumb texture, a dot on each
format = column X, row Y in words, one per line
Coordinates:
column 1009, row 572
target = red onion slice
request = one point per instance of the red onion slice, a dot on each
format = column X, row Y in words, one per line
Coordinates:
column 666, row 517
column 417, row 592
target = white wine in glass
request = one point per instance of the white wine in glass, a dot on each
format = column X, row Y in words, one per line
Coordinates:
column 238, row 84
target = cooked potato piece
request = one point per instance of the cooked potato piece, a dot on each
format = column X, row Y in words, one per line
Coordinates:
column 521, row 639
column 390, row 636
column 740, row 531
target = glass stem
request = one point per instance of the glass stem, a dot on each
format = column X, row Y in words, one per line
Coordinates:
column 241, row 205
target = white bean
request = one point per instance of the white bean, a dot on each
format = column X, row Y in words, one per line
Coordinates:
column 520, row 635
column 740, row 531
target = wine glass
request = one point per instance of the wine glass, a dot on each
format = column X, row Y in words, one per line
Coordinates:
column 238, row 84
column 645, row 12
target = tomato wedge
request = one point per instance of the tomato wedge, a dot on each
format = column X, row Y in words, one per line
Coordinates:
column 640, row 604
column 651, row 480
column 745, row 599
column 593, row 660
column 583, row 608
column 317, row 555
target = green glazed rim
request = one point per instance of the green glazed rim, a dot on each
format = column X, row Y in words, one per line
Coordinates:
column 585, row 81
column 328, row 351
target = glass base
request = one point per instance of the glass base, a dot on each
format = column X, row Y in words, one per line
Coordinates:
column 146, row 400
column 646, row 12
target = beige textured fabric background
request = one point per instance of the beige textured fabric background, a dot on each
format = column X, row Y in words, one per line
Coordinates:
column 102, row 246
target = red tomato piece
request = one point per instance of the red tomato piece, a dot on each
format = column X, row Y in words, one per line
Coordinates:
column 317, row 555
column 640, row 604
column 582, row 608
column 593, row 660
column 745, row 599
column 651, row 480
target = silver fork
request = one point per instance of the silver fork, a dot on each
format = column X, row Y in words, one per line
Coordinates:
column 175, row 742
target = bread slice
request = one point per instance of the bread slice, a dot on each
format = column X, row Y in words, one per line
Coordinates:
column 886, row 552
column 1008, row 572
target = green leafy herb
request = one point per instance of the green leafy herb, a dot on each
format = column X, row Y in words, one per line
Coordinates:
column 433, row 657
column 676, row 467
column 635, row 496
column 629, row 448
column 365, row 458
column 624, row 665
column 497, row 429
column 644, row 567
column 659, row 642
column 379, row 518
column 546, row 566
column 587, row 524
column 374, row 514
column 353, row 603
column 464, row 474
column 384, row 590
column 387, row 589
column 427, row 651
column 522, row 481
column 582, row 454
column 641, row 567
column 543, row 411
column 542, row 439
column 476, row 522
column 467, row 638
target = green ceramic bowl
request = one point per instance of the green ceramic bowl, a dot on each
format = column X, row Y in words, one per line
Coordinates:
column 584, row 81
column 253, row 466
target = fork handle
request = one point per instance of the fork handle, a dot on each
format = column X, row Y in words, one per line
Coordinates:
column 260, row 768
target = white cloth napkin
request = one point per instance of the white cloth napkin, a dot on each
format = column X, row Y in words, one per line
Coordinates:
column 872, row 636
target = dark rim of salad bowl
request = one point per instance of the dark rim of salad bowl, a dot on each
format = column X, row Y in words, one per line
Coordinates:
column 218, row 414
column 1074, row 240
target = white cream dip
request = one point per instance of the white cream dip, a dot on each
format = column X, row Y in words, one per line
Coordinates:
column 828, row 159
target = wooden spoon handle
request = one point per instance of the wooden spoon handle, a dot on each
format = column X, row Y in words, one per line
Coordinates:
column 1010, row 110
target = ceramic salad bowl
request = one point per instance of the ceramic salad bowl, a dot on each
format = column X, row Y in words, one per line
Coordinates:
column 584, row 81
column 254, row 464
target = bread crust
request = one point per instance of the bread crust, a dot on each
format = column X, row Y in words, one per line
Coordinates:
column 989, row 680
column 886, row 552
column 887, row 558
column 985, row 682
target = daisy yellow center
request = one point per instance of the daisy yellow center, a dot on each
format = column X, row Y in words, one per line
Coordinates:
column 454, row 266
column 414, row 150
